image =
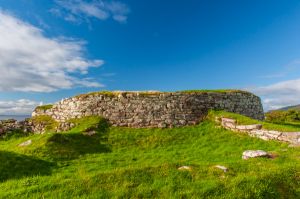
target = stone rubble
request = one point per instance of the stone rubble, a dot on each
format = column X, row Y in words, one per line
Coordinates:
column 11, row 125
column 256, row 130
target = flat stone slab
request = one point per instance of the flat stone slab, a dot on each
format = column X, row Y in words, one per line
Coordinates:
column 254, row 154
column 28, row 142
column 228, row 120
column 185, row 168
column 225, row 169
column 90, row 133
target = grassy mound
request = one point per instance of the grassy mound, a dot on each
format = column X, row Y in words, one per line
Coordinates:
column 44, row 107
column 143, row 163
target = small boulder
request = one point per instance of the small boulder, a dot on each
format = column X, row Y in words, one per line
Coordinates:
column 185, row 168
column 90, row 133
column 28, row 142
column 254, row 154
column 225, row 169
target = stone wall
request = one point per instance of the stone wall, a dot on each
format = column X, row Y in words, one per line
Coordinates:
column 154, row 109
column 11, row 125
column 255, row 130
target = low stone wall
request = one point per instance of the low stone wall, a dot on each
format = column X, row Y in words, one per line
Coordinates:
column 11, row 125
column 256, row 130
column 154, row 109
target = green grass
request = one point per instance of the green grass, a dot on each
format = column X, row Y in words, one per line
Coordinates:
column 146, row 93
column 142, row 163
column 243, row 120
column 214, row 91
column 44, row 107
column 45, row 120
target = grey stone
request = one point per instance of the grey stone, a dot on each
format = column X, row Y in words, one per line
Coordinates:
column 156, row 109
column 254, row 154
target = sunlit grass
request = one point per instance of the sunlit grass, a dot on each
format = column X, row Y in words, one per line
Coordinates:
column 142, row 163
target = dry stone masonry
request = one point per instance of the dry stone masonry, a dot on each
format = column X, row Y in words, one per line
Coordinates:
column 154, row 109
column 11, row 125
column 255, row 130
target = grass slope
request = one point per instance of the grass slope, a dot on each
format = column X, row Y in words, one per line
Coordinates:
column 142, row 163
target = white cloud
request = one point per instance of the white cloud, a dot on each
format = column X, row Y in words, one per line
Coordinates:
column 30, row 61
column 18, row 107
column 280, row 94
column 78, row 11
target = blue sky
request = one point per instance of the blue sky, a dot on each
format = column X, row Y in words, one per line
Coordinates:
column 53, row 49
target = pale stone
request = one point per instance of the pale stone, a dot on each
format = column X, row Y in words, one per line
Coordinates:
column 225, row 169
column 26, row 143
column 228, row 120
column 90, row 133
column 254, row 154
column 185, row 168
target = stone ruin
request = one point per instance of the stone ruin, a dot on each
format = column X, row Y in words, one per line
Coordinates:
column 145, row 109
column 154, row 109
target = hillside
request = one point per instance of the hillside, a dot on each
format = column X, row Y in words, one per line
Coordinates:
column 120, row 162
column 295, row 107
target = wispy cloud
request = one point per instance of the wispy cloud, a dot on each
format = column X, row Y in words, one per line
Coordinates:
column 79, row 11
column 18, row 107
column 280, row 94
column 30, row 61
column 286, row 70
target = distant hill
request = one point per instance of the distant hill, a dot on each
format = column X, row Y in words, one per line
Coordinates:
column 295, row 107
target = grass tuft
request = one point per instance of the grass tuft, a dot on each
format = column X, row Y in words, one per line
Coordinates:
column 44, row 107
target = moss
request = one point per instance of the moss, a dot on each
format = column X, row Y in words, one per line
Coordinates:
column 147, row 93
column 45, row 120
column 44, row 107
column 214, row 91
column 88, row 123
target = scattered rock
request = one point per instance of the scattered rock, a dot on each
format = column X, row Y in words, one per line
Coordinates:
column 28, row 142
column 256, row 130
column 225, row 169
column 185, row 168
column 254, row 154
column 90, row 133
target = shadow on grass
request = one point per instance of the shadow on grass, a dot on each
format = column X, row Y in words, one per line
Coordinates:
column 15, row 166
column 68, row 146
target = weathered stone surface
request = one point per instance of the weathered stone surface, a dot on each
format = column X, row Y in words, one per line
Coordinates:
column 185, row 168
column 26, row 143
column 11, row 125
column 154, row 109
column 254, row 154
column 90, row 133
column 225, row 169
column 256, row 130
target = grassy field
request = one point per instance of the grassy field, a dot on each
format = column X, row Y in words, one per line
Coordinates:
column 143, row 163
